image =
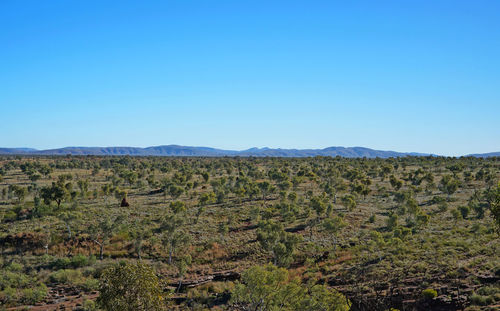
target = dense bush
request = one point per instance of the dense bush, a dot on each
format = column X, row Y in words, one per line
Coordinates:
column 130, row 287
column 66, row 276
column 33, row 295
column 271, row 288
column 76, row 261
column 429, row 293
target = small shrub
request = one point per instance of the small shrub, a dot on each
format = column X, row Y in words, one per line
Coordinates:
column 14, row 279
column 14, row 267
column 456, row 214
column 488, row 290
column 79, row 261
column 89, row 272
column 42, row 210
column 89, row 305
column 480, row 300
column 31, row 296
column 423, row 219
column 371, row 219
column 90, row 284
column 9, row 216
column 401, row 232
column 442, row 207
column 66, row 276
column 61, row 263
column 392, row 221
column 8, row 295
column 429, row 293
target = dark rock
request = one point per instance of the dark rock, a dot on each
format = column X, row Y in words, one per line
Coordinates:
column 124, row 203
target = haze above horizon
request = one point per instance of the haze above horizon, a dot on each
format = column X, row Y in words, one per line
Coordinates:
column 413, row 76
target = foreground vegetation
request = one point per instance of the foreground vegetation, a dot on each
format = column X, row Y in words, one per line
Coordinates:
column 413, row 233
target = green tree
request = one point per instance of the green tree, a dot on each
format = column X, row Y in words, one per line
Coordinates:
column 129, row 176
column 182, row 265
column 492, row 198
column 130, row 287
column 477, row 207
column 102, row 232
column 20, row 193
column 173, row 237
column 83, row 184
column 321, row 298
column 349, row 202
column 178, row 207
column 266, row 288
column 207, row 198
column 265, row 189
column 395, row 183
column 139, row 233
column 273, row 238
column 456, row 215
column 332, row 226
column 318, row 205
column 175, row 191
column 206, row 176
column 57, row 192
column 107, row 190
column 68, row 218
column 269, row 288
column 392, row 221
column 449, row 185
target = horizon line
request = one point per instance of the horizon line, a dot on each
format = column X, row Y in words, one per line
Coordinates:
column 28, row 149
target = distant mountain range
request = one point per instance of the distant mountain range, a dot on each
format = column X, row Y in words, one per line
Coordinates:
column 185, row 151
column 484, row 155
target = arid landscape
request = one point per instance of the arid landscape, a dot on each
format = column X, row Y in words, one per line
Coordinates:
column 412, row 233
column 249, row 155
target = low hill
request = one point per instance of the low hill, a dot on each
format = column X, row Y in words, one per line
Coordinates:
column 176, row 150
column 188, row 151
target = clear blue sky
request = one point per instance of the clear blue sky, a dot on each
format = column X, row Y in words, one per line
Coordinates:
column 395, row 75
